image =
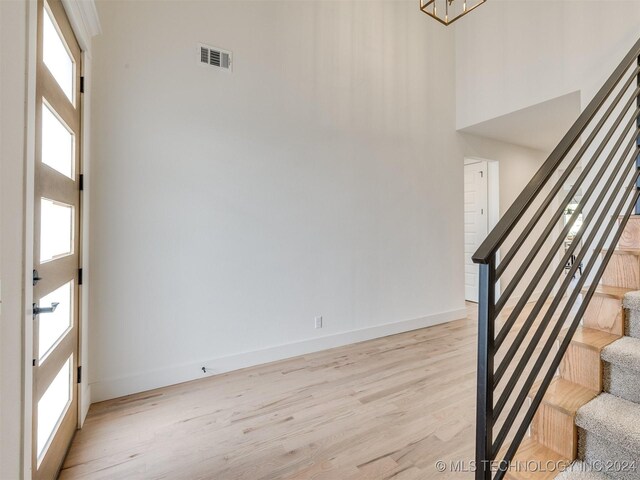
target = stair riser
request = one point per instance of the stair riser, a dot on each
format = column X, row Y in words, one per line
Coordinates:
column 582, row 365
column 623, row 270
column 596, row 450
column 631, row 234
column 606, row 314
column 555, row 430
column 621, row 382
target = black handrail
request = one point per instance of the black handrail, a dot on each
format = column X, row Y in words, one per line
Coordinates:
column 610, row 189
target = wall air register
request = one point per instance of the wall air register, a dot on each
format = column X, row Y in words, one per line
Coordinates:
column 215, row 57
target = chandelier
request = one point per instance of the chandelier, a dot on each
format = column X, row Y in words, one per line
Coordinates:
column 448, row 11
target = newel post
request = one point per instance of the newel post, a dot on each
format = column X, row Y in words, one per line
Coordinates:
column 486, row 350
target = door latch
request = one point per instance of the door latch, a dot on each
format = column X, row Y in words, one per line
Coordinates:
column 38, row 310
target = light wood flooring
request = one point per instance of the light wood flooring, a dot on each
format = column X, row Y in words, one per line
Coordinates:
column 383, row 409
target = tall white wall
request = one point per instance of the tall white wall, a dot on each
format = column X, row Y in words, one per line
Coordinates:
column 321, row 177
column 513, row 54
column 13, row 67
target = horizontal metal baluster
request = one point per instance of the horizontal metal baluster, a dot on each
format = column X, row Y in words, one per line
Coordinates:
column 524, row 298
column 506, row 259
column 507, row 292
column 526, row 388
column 513, row 215
column 537, row 400
column 556, row 301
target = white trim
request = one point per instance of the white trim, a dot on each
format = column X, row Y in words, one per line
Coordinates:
column 84, row 390
column 29, row 199
column 85, row 23
column 84, row 20
column 117, row 387
column 493, row 205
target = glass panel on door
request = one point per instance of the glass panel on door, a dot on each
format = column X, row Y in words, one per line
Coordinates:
column 53, row 405
column 56, row 56
column 57, row 143
column 55, row 324
column 56, row 230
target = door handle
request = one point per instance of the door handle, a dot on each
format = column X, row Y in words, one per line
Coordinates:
column 38, row 310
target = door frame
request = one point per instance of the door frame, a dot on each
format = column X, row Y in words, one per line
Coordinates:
column 85, row 24
column 493, row 198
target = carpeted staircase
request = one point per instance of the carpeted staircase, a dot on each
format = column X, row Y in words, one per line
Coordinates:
column 609, row 425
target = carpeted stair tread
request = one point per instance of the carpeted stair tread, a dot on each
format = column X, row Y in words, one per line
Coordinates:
column 624, row 352
column 612, row 418
column 581, row 471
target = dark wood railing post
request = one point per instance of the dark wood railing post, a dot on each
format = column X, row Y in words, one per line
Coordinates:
column 486, row 351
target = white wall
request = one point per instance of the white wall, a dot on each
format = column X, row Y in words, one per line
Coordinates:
column 321, row 177
column 513, row 54
column 13, row 54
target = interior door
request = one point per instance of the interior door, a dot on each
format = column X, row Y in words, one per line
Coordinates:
column 475, row 222
column 56, row 239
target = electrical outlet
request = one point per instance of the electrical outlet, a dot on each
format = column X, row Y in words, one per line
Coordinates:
column 318, row 322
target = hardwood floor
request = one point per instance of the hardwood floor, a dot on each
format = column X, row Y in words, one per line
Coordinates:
column 382, row 409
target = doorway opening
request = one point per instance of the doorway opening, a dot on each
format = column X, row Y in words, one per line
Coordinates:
column 481, row 213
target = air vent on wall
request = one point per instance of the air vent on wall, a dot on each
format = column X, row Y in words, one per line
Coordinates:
column 215, row 57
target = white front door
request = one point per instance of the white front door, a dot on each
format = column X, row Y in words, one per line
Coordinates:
column 475, row 222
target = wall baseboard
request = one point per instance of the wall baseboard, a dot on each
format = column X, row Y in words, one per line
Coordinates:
column 118, row 387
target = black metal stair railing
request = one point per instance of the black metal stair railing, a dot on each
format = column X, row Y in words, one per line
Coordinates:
column 537, row 249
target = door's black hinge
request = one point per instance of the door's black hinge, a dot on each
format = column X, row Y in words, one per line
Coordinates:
column 81, row 182
column 81, row 84
column 79, row 276
column 79, row 373
column 33, row 362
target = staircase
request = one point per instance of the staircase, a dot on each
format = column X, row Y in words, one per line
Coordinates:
column 591, row 411
column 558, row 390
